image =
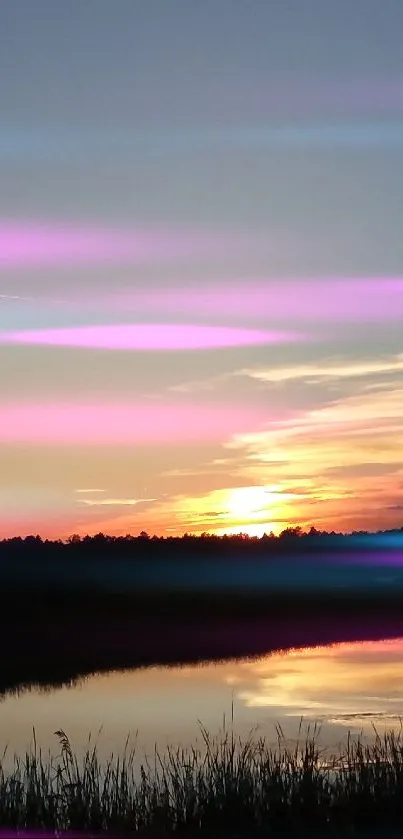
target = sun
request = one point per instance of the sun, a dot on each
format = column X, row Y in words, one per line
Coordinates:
column 253, row 510
column 249, row 510
column 247, row 501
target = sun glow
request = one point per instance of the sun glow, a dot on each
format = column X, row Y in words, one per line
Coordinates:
column 250, row 502
column 251, row 510
column 257, row 530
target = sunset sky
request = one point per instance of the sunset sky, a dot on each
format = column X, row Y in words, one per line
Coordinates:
column 201, row 266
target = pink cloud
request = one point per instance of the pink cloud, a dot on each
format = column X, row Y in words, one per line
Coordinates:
column 358, row 299
column 104, row 424
column 147, row 337
column 33, row 245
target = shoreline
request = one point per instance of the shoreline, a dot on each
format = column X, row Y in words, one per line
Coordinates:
column 99, row 631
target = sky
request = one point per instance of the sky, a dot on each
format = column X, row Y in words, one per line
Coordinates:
column 201, row 266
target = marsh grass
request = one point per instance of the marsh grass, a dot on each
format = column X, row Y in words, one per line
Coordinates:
column 224, row 787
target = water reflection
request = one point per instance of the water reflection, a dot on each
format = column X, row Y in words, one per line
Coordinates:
column 346, row 684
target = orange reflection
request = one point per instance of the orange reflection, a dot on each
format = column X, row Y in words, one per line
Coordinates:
column 351, row 683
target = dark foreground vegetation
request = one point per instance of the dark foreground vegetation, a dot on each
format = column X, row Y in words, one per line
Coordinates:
column 223, row 788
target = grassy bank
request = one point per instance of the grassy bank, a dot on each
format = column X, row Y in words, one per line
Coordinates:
column 224, row 788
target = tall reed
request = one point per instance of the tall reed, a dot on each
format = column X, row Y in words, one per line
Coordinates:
column 224, row 786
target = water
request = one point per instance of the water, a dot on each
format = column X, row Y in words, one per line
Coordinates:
column 343, row 686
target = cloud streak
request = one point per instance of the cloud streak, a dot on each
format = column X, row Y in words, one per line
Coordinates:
column 122, row 424
column 52, row 146
column 327, row 369
column 95, row 489
column 33, row 245
column 314, row 300
column 147, row 337
column 115, row 502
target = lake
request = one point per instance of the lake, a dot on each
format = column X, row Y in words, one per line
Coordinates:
column 348, row 685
